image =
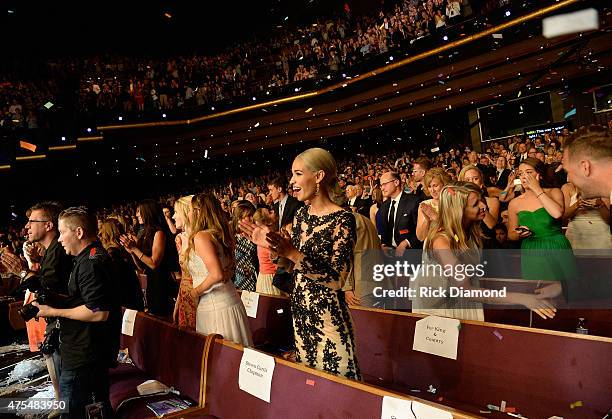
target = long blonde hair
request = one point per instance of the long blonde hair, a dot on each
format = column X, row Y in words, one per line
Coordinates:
column 181, row 206
column 208, row 216
column 317, row 159
column 453, row 200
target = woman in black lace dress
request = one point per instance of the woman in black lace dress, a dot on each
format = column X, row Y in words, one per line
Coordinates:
column 321, row 249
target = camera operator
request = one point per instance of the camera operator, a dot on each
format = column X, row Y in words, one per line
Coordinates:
column 89, row 323
column 53, row 271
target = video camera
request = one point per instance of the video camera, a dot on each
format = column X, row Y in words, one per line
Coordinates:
column 43, row 296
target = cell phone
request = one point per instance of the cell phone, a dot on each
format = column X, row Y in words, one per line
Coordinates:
column 517, row 182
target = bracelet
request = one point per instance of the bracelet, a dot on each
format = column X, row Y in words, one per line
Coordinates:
column 540, row 194
column 141, row 255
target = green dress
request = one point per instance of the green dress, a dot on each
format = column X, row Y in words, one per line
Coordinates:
column 546, row 255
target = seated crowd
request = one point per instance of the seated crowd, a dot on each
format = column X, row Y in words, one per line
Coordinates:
column 301, row 238
column 119, row 85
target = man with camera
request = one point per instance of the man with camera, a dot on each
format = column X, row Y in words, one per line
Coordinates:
column 50, row 277
column 89, row 318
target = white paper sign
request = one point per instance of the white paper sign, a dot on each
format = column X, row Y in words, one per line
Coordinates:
column 425, row 411
column 394, row 408
column 568, row 23
column 255, row 375
column 250, row 301
column 127, row 326
column 437, row 335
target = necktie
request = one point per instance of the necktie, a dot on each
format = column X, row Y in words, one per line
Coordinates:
column 391, row 218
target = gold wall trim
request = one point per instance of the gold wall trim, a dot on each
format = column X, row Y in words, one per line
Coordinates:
column 62, row 147
column 34, row 157
column 367, row 75
column 96, row 138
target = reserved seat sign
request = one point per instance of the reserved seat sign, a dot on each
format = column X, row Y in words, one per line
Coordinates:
column 255, row 374
column 437, row 336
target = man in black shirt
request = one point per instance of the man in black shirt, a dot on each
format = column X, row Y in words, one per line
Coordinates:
column 89, row 323
column 53, row 270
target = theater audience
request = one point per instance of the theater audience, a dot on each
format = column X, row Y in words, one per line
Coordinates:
column 130, row 293
column 588, row 220
column 433, row 182
column 267, row 268
column 184, row 313
column 455, row 239
column 399, row 215
column 535, row 218
column 247, row 263
column 154, row 254
column 210, row 259
column 321, row 248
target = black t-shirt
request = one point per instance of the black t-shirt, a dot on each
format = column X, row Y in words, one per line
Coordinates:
column 55, row 267
column 91, row 284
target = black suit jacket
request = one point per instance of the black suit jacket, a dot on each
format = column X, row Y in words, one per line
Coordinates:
column 406, row 215
column 363, row 206
column 502, row 182
column 291, row 207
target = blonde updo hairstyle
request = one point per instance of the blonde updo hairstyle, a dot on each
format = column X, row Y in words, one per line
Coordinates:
column 317, row 159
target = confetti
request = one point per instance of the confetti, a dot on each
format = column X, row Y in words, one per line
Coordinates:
column 576, row 404
column 498, row 36
column 502, row 406
column 456, row 238
column 310, row 382
column 510, row 409
column 432, row 389
column 308, row 110
column 485, row 411
column 492, row 407
column 498, row 335
column 48, row 105
column 280, row 311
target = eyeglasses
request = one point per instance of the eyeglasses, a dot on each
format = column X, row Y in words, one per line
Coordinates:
column 38, row 221
column 389, row 181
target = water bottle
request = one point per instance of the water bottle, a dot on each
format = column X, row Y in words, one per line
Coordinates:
column 581, row 328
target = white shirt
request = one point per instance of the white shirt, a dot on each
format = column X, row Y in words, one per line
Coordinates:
column 281, row 209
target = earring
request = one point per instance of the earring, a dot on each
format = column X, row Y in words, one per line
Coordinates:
column 317, row 190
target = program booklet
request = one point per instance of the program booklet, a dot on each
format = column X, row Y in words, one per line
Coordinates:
column 165, row 407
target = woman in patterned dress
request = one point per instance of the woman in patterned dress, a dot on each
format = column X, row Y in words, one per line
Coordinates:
column 185, row 308
column 321, row 249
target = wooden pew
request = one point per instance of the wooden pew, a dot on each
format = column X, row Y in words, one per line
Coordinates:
column 160, row 351
column 539, row 372
column 297, row 392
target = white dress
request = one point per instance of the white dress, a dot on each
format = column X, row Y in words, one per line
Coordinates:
column 453, row 307
column 588, row 230
column 220, row 310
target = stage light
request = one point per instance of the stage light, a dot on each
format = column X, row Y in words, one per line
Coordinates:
column 120, row 118
column 445, row 38
column 508, row 13
column 63, row 138
column 88, row 129
column 163, row 115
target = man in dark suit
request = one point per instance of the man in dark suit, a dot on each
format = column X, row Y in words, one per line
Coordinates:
column 356, row 201
column 285, row 206
column 501, row 173
column 400, row 212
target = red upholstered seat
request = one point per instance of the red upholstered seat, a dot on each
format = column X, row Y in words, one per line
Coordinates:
column 160, row 351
